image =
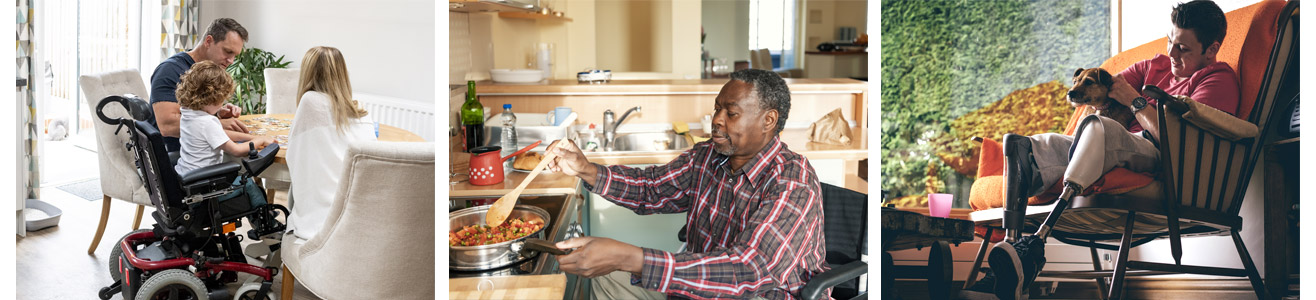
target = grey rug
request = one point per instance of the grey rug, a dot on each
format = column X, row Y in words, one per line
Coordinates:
column 89, row 189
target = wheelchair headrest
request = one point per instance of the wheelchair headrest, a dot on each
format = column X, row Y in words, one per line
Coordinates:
column 137, row 108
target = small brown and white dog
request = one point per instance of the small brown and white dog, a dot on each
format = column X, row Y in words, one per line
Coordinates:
column 1092, row 87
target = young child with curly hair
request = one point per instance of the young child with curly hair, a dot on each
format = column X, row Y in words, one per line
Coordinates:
column 201, row 93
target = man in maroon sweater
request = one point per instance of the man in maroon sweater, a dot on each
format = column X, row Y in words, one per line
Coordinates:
column 1033, row 163
column 755, row 208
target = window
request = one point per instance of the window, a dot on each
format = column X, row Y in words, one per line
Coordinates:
column 955, row 70
column 84, row 37
column 772, row 26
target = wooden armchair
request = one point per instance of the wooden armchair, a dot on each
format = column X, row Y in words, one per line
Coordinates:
column 1201, row 186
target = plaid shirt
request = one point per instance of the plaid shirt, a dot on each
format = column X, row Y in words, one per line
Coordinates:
column 753, row 231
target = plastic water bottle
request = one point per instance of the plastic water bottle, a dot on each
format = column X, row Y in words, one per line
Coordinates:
column 509, row 131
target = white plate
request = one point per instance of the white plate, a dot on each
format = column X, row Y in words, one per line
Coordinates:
column 517, row 75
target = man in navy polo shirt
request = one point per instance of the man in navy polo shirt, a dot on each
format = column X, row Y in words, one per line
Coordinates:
column 222, row 43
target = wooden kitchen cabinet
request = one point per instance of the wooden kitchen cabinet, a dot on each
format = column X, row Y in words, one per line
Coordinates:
column 836, row 64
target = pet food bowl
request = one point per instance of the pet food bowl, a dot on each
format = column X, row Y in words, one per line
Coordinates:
column 40, row 215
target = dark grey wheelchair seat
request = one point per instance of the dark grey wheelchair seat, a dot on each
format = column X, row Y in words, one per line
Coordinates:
column 224, row 171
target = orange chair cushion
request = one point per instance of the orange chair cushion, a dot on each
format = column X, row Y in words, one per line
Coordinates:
column 986, row 191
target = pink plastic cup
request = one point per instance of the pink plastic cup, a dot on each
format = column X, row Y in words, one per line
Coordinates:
column 939, row 205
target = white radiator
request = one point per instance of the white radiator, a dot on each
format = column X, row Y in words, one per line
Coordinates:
column 414, row 116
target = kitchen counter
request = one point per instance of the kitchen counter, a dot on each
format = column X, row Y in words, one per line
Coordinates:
column 663, row 102
column 796, row 140
column 557, row 183
column 658, row 87
column 547, row 183
column 666, row 101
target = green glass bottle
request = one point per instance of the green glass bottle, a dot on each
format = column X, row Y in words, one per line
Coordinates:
column 472, row 115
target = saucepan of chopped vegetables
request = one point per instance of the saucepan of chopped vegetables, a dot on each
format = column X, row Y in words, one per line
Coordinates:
column 473, row 245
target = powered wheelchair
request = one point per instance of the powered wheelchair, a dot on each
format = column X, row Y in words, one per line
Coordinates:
column 192, row 251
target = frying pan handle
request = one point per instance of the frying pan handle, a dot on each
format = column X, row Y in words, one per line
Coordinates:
column 523, row 150
column 539, row 245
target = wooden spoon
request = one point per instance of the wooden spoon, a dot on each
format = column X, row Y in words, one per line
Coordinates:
column 499, row 211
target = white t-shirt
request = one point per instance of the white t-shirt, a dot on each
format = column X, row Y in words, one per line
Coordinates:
column 200, row 136
column 317, row 153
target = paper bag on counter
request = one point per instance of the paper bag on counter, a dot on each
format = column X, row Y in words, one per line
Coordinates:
column 831, row 129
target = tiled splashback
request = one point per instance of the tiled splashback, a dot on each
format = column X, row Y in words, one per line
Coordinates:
column 470, row 47
column 459, row 47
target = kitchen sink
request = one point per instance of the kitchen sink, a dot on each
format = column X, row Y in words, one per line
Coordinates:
column 650, row 141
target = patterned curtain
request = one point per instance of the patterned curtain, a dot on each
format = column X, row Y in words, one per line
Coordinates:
column 26, row 79
column 179, row 26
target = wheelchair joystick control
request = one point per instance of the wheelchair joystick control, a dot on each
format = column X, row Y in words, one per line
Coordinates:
column 252, row 153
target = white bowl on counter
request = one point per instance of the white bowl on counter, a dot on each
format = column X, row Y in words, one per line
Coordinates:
column 516, row 75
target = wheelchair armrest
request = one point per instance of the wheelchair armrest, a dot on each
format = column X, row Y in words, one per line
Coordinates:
column 815, row 287
column 258, row 161
column 210, row 178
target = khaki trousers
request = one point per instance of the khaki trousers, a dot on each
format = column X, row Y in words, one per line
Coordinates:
column 1104, row 144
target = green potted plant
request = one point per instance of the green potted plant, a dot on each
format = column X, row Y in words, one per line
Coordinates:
column 248, row 71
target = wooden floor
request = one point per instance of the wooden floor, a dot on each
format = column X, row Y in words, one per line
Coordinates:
column 1136, row 288
column 53, row 263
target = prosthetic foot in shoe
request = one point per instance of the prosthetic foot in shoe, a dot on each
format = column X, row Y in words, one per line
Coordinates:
column 1016, row 265
column 1008, row 269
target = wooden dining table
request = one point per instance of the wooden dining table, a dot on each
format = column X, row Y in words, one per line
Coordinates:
column 279, row 170
column 386, row 133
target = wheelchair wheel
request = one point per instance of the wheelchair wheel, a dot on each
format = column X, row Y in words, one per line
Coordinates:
column 116, row 252
column 173, row 284
column 251, row 291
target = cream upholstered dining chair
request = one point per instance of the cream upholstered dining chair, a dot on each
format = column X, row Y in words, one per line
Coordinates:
column 118, row 172
column 762, row 59
column 280, row 98
column 281, row 90
column 379, row 234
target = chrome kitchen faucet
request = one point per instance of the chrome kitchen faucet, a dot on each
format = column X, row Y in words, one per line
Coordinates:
column 610, row 127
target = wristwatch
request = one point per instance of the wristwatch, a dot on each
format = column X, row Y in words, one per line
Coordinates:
column 1138, row 104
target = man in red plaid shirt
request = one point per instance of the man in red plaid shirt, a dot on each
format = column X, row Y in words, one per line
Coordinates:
column 755, row 208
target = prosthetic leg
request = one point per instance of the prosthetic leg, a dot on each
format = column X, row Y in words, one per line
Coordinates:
column 1085, row 166
column 1017, row 260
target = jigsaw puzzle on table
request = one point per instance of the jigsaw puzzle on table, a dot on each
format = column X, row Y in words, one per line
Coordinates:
column 267, row 126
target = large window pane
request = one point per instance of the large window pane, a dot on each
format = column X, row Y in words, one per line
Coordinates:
column 772, row 26
column 85, row 37
column 952, row 70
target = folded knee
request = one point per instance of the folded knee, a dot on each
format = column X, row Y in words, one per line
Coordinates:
column 1092, row 123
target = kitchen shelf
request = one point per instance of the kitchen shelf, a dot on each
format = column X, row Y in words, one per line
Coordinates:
column 474, row 6
column 837, row 52
column 531, row 15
